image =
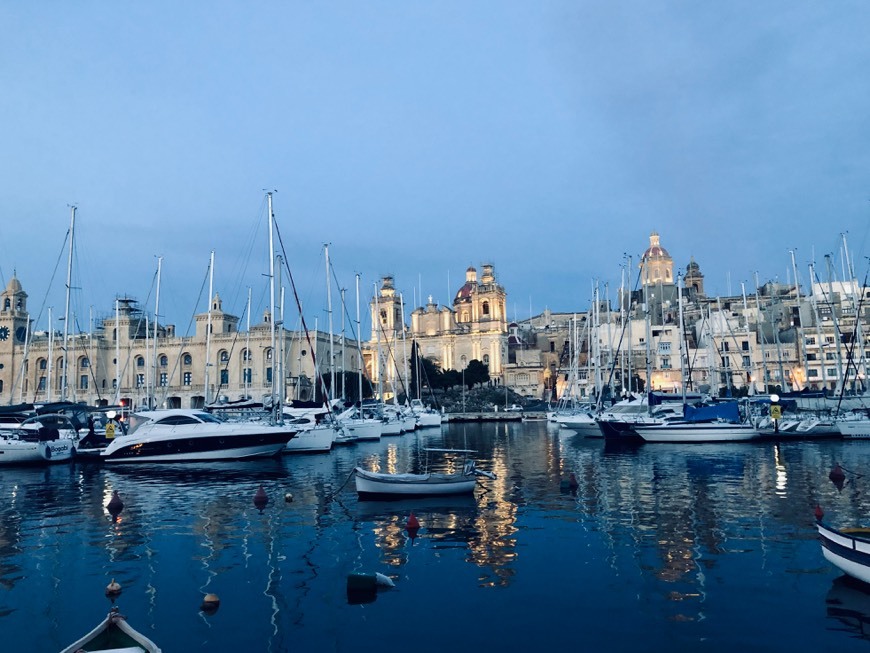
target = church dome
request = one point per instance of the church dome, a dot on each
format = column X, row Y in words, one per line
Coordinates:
column 693, row 269
column 465, row 293
column 655, row 249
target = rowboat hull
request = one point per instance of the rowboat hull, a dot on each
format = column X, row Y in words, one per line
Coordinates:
column 372, row 484
column 848, row 551
column 113, row 634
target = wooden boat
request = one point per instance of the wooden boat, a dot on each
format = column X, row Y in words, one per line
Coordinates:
column 380, row 485
column 113, row 635
column 847, row 549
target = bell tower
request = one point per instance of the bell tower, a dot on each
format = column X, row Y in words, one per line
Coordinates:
column 13, row 315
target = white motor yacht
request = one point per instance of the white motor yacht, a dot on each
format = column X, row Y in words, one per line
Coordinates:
column 188, row 434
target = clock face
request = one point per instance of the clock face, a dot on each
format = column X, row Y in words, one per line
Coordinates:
column 4, row 333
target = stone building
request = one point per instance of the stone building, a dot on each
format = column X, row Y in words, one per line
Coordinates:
column 127, row 358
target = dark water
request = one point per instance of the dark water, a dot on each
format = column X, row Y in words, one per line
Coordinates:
column 661, row 548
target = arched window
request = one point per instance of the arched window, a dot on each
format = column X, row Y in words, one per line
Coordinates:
column 164, row 360
column 186, row 359
column 246, row 354
column 268, row 354
column 486, row 359
column 140, row 361
column 224, row 356
column 6, row 304
column 485, row 308
column 84, row 363
column 42, row 363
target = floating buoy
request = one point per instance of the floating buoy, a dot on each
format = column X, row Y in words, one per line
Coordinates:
column 288, row 498
column 412, row 524
column 357, row 582
column 113, row 589
column 383, row 580
column 210, row 603
column 115, row 505
column 260, row 498
column 818, row 512
column 837, row 473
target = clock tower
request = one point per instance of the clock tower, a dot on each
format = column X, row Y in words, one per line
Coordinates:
column 13, row 333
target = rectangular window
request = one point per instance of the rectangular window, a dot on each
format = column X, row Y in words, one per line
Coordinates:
column 831, row 371
column 813, row 374
column 830, row 356
column 41, row 386
column 83, row 382
column 164, row 379
column 812, row 357
column 665, row 347
column 225, row 377
column 666, row 363
column 187, row 378
column 744, row 345
column 810, row 340
column 246, row 375
column 268, row 375
column 746, row 362
column 140, row 380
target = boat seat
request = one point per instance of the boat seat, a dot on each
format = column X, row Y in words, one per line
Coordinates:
column 126, row 649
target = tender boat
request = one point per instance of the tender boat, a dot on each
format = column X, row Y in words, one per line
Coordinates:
column 113, row 635
column 37, row 440
column 381, row 485
column 186, row 434
column 847, row 549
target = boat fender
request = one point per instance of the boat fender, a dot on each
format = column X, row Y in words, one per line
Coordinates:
column 358, row 582
column 288, row 498
column 384, row 581
column 115, row 505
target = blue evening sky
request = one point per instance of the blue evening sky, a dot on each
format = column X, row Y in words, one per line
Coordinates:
column 418, row 138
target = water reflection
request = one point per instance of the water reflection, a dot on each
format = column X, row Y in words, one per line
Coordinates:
column 677, row 530
column 848, row 604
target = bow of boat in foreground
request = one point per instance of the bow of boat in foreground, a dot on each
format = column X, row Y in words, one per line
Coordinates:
column 113, row 635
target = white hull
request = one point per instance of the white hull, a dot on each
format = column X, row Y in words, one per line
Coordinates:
column 428, row 419
column 393, row 427
column 697, row 433
column 413, row 484
column 367, row 429
column 237, row 453
column 859, row 428
column 23, row 452
column 851, row 555
column 315, row 440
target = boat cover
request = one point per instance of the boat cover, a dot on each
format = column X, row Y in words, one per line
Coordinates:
column 728, row 411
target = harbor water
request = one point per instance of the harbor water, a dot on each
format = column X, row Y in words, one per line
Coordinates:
column 658, row 547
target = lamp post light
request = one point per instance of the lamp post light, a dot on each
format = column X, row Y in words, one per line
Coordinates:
column 775, row 411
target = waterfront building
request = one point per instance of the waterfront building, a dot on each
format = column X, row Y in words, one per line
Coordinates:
column 125, row 357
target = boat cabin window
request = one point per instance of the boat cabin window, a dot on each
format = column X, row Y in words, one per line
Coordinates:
column 177, row 420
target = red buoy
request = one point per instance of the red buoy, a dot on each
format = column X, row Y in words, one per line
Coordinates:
column 837, row 474
column 819, row 513
column 115, row 505
column 412, row 524
column 260, row 498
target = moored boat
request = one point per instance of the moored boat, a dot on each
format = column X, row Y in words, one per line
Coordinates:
column 36, row 441
column 848, row 549
column 113, row 635
column 384, row 485
column 184, row 435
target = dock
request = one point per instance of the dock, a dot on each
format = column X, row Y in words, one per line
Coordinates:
column 492, row 416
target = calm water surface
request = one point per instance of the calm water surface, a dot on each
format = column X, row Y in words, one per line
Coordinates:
column 660, row 548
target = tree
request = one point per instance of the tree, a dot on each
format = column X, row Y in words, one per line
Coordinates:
column 475, row 373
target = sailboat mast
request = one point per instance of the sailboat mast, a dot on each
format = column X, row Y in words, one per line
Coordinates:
column 405, row 346
column 72, row 228
column 682, row 336
column 761, row 337
column 247, row 358
column 117, row 353
column 343, row 345
column 50, row 357
column 329, row 320
column 377, row 322
column 272, row 294
column 278, row 355
column 799, row 331
column 208, row 325
column 156, row 314
column 358, row 349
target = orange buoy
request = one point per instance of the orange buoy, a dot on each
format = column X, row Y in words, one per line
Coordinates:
column 261, row 498
column 818, row 512
column 210, row 603
column 113, row 589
